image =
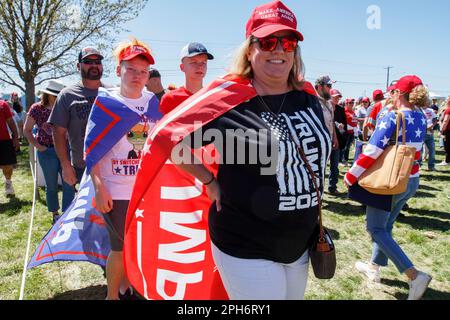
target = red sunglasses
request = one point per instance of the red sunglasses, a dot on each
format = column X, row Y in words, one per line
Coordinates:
column 288, row 43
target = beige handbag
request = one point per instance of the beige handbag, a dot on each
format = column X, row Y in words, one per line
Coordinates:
column 389, row 175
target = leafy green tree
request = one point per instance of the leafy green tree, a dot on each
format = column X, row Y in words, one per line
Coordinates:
column 40, row 39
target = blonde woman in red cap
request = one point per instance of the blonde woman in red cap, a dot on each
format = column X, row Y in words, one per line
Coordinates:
column 409, row 95
column 114, row 173
column 261, row 224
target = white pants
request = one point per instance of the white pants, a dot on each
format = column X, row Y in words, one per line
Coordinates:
column 259, row 279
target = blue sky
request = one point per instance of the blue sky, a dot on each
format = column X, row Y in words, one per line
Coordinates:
column 414, row 38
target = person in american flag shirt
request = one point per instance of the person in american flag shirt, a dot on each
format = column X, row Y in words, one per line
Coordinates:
column 408, row 97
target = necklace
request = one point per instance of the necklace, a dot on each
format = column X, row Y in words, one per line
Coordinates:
column 268, row 108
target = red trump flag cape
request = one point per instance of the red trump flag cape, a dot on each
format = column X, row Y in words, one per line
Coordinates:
column 167, row 253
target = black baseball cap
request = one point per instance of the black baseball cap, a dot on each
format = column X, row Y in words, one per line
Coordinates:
column 153, row 73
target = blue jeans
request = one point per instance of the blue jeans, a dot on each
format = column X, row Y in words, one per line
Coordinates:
column 429, row 142
column 380, row 224
column 51, row 168
column 334, row 169
column 358, row 148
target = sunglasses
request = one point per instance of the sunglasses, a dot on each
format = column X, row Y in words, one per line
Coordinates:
column 90, row 61
column 270, row 43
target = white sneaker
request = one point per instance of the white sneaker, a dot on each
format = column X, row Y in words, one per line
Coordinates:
column 371, row 274
column 418, row 286
column 443, row 163
column 9, row 190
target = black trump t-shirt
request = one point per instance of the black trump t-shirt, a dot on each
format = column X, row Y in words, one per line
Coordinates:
column 269, row 207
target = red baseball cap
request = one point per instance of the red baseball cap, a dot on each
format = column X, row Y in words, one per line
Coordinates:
column 335, row 93
column 377, row 94
column 349, row 100
column 270, row 18
column 133, row 51
column 407, row 83
column 365, row 99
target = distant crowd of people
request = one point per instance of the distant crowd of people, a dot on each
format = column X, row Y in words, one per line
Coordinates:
column 259, row 242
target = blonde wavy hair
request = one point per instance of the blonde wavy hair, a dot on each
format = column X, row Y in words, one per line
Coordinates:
column 126, row 44
column 419, row 97
column 242, row 68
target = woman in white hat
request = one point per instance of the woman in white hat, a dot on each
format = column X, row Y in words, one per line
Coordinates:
column 43, row 142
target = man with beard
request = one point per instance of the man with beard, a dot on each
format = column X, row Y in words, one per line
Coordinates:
column 323, row 87
column 70, row 115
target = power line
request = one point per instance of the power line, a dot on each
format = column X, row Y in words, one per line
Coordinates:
column 342, row 62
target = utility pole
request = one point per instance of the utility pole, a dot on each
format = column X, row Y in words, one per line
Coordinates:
column 387, row 81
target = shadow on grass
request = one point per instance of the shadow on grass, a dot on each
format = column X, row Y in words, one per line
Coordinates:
column 430, row 294
column 13, row 206
column 89, row 293
column 335, row 235
column 345, row 208
column 431, row 177
column 432, row 213
column 422, row 194
column 420, row 223
column 428, row 188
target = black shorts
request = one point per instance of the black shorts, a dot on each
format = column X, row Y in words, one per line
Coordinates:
column 115, row 222
column 7, row 153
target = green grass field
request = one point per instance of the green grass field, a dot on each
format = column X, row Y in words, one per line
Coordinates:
column 423, row 233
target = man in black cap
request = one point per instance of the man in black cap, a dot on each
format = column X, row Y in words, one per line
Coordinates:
column 194, row 63
column 70, row 115
column 154, row 84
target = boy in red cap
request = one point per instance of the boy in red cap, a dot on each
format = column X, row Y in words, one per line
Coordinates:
column 114, row 173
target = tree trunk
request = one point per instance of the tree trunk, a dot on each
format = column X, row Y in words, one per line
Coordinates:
column 29, row 93
column 30, row 98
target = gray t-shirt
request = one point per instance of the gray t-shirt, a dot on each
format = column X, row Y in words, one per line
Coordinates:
column 71, row 111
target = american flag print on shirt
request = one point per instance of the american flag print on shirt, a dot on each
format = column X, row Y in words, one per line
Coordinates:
column 385, row 129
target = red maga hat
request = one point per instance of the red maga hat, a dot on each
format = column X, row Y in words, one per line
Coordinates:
column 377, row 95
column 349, row 100
column 270, row 18
column 335, row 93
column 133, row 51
column 407, row 83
